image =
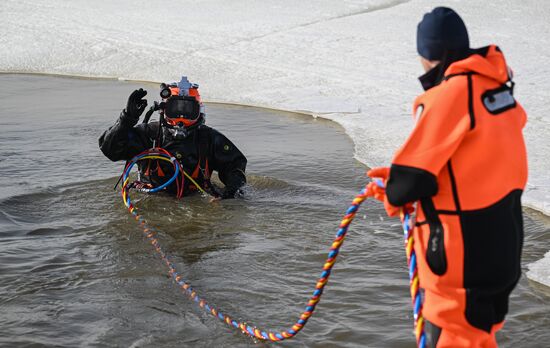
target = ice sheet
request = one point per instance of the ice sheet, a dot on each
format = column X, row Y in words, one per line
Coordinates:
column 352, row 61
column 539, row 271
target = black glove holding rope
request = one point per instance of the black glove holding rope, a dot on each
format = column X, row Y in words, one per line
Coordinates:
column 134, row 108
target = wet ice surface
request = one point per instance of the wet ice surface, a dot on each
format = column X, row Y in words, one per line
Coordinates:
column 76, row 271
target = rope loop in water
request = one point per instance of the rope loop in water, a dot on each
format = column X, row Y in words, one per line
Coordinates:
column 337, row 243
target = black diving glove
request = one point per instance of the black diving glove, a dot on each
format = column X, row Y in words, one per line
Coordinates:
column 227, row 193
column 233, row 185
column 134, row 108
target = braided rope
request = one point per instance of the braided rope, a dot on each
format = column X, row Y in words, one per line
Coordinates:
column 252, row 331
column 406, row 220
column 413, row 279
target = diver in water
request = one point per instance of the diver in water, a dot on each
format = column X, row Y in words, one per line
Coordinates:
column 465, row 164
column 181, row 131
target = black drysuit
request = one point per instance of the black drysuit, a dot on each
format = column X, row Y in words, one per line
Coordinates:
column 203, row 151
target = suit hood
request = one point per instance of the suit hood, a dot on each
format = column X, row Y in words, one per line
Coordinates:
column 487, row 61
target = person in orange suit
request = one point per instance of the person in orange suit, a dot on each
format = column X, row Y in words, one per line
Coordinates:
column 464, row 165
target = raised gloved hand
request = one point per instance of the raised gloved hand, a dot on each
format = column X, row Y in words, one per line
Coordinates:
column 379, row 192
column 135, row 107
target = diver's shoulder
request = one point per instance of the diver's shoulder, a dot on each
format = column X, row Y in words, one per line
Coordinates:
column 212, row 132
column 149, row 130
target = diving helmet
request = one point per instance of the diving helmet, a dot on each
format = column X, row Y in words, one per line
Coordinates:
column 183, row 109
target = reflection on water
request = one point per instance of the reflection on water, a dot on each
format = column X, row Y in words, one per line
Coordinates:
column 75, row 270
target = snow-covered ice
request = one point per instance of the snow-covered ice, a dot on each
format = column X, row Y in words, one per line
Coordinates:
column 538, row 271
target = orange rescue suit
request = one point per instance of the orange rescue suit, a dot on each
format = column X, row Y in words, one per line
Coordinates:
column 465, row 163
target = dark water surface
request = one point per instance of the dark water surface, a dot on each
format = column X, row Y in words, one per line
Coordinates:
column 75, row 271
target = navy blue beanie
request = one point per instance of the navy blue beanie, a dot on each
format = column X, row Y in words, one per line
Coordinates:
column 440, row 32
